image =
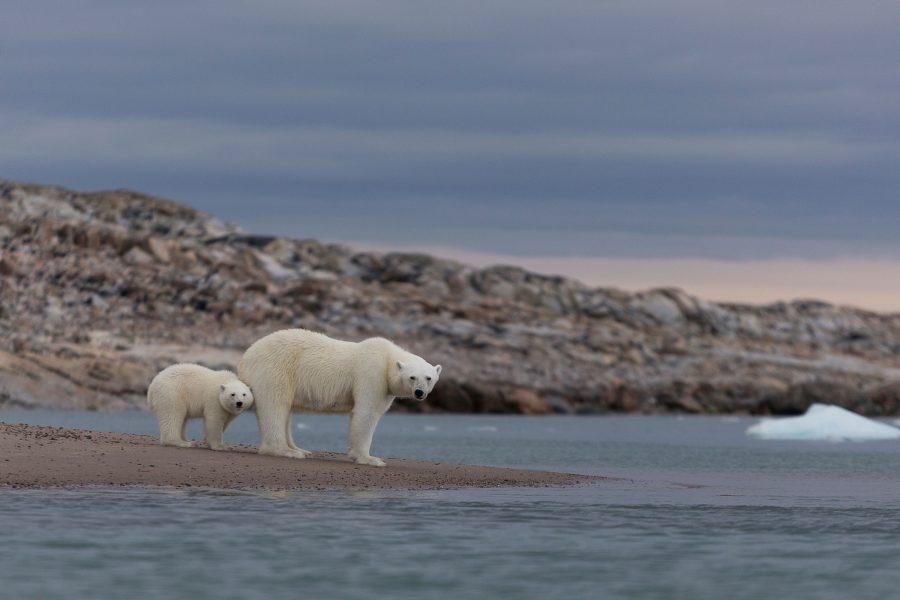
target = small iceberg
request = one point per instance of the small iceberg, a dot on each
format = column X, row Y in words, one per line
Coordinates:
column 824, row 422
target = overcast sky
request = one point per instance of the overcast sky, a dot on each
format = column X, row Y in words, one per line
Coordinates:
column 709, row 129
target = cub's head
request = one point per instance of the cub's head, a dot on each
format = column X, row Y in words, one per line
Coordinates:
column 235, row 397
column 416, row 378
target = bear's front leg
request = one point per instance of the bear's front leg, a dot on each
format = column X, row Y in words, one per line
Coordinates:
column 363, row 421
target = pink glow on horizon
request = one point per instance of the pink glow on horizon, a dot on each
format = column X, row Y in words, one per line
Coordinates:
column 868, row 284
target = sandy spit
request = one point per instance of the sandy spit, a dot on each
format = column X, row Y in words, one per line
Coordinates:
column 36, row 457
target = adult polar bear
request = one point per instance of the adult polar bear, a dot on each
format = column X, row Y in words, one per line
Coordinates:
column 301, row 369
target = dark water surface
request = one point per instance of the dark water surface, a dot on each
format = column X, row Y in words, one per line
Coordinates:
column 698, row 511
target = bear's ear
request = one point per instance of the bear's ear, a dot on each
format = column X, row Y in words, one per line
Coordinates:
column 437, row 369
column 223, row 387
column 399, row 366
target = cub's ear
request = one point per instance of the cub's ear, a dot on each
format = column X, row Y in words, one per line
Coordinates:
column 437, row 369
column 399, row 366
column 223, row 387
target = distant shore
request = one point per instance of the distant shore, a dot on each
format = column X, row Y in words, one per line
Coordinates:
column 100, row 291
column 37, row 457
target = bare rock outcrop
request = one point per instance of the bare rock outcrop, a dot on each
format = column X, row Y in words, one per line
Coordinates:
column 99, row 290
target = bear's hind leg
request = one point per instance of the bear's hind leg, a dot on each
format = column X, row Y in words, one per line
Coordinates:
column 289, row 435
column 274, row 421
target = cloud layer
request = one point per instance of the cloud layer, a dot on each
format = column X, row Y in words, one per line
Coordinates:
column 623, row 129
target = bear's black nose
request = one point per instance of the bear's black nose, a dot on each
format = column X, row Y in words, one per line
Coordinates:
column 420, row 394
column 239, row 404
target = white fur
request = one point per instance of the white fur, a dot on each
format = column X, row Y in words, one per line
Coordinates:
column 300, row 369
column 188, row 391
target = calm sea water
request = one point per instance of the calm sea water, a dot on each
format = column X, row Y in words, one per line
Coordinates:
column 698, row 511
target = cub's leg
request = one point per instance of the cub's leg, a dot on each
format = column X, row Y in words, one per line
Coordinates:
column 214, row 426
column 172, row 422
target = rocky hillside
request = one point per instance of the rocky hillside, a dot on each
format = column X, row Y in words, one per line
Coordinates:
column 99, row 290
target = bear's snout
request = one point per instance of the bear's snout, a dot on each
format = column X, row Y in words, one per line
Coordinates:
column 420, row 394
column 239, row 404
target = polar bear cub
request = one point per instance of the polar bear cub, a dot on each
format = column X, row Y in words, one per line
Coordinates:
column 300, row 369
column 189, row 391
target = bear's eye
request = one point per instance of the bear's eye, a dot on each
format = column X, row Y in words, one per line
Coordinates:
column 412, row 378
column 427, row 378
column 244, row 395
column 232, row 395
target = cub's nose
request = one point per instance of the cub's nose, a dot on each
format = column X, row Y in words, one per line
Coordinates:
column 420, row 394
column 239, row 404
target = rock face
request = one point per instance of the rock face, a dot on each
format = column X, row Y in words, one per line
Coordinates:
column 98, row 291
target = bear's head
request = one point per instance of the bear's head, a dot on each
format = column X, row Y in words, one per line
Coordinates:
column 235, row 397
column 416, row 378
